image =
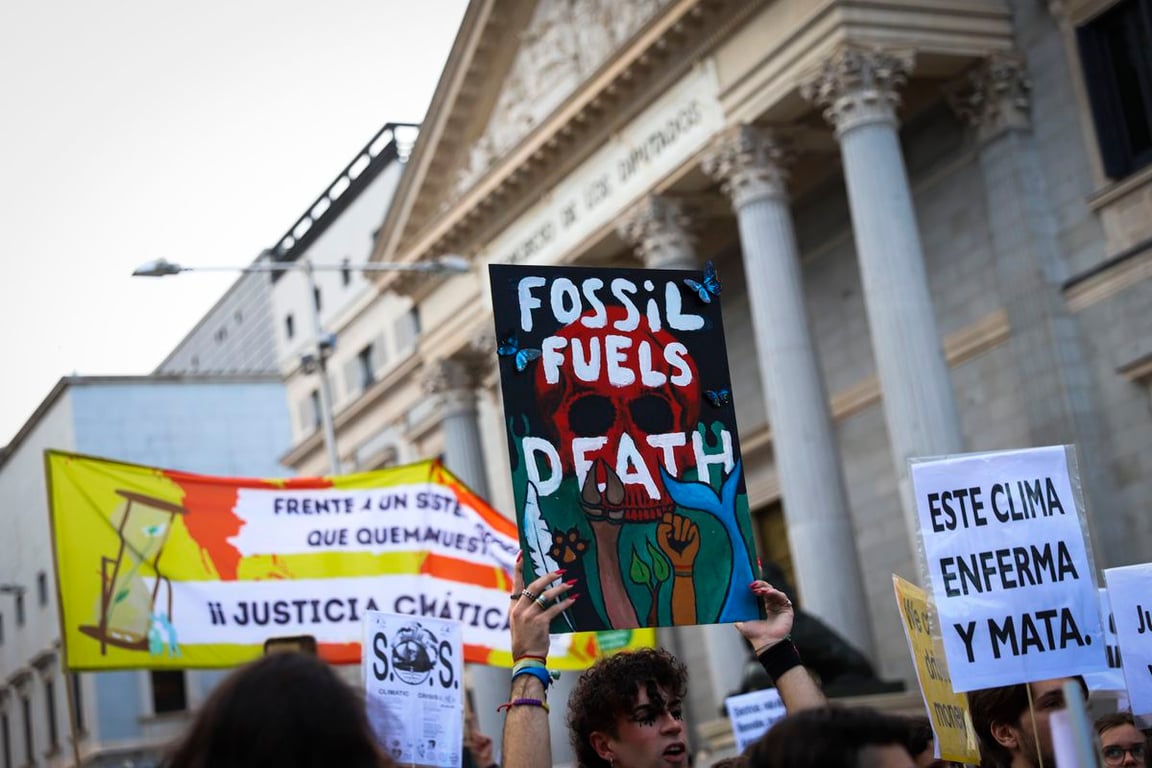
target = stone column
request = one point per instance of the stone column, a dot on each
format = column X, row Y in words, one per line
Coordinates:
column 752, row 166
column 453, row 382
column 858, row 89
column 658, row 228
column 1056, row 394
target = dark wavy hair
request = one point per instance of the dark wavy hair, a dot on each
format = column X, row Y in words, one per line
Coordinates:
column 286, row 710
column 1005, row 704
column 827, row 737
column 609, row 689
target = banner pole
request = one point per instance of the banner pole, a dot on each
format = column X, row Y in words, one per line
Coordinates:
column 70, row 682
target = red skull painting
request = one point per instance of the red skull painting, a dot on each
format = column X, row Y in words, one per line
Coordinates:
column 614, row 436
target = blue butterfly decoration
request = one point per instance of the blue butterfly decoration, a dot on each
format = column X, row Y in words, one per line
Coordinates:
column 510, row 347
column 709, row 288
column 718, row 397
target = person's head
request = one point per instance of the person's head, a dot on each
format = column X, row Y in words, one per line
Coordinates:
column 286, row 710
column 834, row 737
column 1008, row 734
column 1121, row 742
column 626, row 711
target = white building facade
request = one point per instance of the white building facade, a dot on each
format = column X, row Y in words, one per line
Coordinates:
column 932, row 223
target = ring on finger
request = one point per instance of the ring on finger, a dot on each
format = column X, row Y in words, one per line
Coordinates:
column 530, row 595
column 540, row 601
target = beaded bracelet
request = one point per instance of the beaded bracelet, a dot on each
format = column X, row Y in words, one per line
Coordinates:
column 779, row 658
column 523, row 703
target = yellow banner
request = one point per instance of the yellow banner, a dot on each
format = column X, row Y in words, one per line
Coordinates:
column 948, row 710
column 165, row 569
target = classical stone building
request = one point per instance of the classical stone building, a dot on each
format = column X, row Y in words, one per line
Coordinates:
column 933, row 220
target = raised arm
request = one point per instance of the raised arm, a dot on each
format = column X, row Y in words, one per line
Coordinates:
column 771, row 641
column 526, row 736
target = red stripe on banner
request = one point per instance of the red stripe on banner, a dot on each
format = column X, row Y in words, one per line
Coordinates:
column 452, row 569
column 339, row 653
column 439, row 474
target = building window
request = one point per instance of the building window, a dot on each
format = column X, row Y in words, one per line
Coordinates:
column 221, row 335
column 169, row 693
column 78, row 700
column 316, row 298
column 1116, row 52
column 50, row 713
column 345, row 273
column 6, row 735
column 238, row 316
column 19, row 609
column 366, row 366
column 42, row 588
column 289, row 326
column 29, row 745
column 314, row 399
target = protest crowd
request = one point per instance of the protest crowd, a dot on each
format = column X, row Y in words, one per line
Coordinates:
column 291, row 709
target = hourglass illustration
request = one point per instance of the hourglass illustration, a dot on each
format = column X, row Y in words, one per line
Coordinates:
column 127, row 608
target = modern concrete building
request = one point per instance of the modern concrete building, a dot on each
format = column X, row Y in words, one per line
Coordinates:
column 932, row 222
column 214, row 425
column 234, row 337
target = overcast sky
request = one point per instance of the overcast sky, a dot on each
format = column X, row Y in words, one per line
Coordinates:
column 132, row 130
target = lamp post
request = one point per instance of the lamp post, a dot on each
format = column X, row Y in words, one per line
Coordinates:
column 447, row 264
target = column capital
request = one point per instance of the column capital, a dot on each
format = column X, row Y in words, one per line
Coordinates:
column 751, row 163
column 858, row 86
column 994, row 95
column 445, row 374
column 659, row 229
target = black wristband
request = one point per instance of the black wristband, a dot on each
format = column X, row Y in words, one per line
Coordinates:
column 780, row 658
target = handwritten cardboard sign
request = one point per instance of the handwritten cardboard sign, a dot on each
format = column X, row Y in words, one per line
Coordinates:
column 1009, row 566
column 955, row 737
column 623, row 445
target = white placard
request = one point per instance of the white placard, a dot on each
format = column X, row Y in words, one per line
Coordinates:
column 1130, row 593
column 1008, row 562
column 413, row 680
column 752, row 714
column 1111, row 679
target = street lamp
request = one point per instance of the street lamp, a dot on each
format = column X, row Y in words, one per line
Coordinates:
column 446, row 264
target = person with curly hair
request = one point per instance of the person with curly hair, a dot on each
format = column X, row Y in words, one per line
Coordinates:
column 626, row 710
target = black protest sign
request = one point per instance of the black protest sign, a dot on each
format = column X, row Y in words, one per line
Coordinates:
column 623, row 445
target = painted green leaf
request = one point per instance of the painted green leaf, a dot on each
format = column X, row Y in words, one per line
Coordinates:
column 660, row 567
column 638, row 572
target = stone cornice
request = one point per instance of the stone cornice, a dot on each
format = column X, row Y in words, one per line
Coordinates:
column 661, row 50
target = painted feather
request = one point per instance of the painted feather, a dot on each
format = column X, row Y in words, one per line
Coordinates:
column 539, row 538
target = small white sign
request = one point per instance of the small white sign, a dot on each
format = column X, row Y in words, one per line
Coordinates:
column 413, row 680
column 1008, row 561
column 1130, row 593
column 1111, row 679
column 752, row 714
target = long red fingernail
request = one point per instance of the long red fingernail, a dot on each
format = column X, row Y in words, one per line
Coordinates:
column 561, row 570
column 570, row 583
column 574, row 595
column 519, row 556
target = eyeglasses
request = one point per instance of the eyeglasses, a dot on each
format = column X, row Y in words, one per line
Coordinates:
column 1115, row 755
